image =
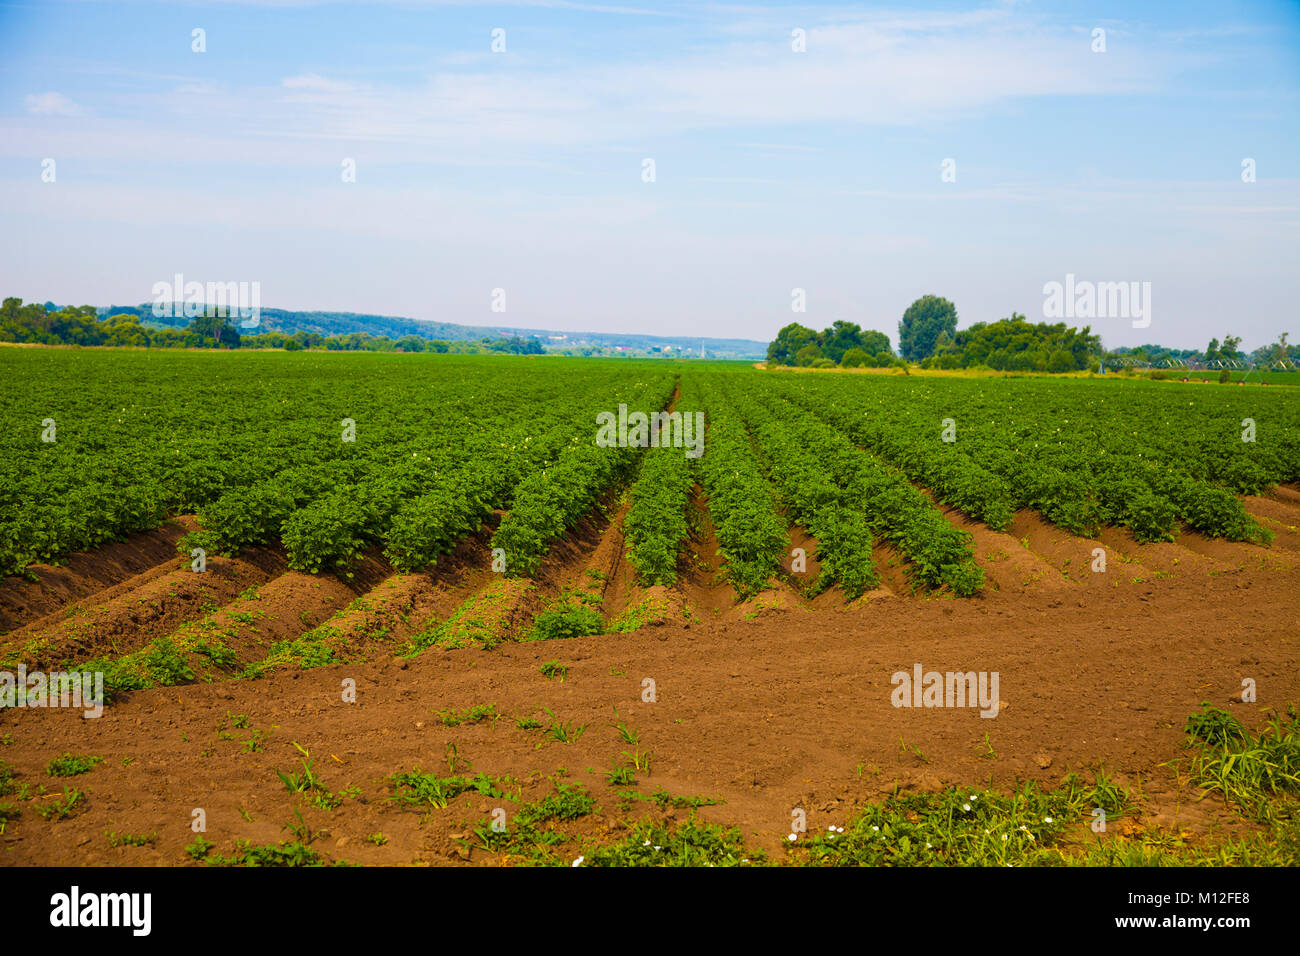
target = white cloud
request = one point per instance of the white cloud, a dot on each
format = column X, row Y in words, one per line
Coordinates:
column 51, row 104
column 315, row 83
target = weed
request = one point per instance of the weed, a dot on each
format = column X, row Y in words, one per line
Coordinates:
column 66, row 807
column 554, row 670
column 564, row 733
column 127, row 839
column 70, row 765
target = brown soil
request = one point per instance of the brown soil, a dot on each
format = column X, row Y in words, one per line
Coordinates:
column 56, row 587
column 701, row 579
column 769, row 704
column 129, row 615
column 783, row 711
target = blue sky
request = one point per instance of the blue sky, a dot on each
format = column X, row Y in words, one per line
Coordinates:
column 774, row 169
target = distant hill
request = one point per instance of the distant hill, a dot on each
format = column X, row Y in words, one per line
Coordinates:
column 343, row 323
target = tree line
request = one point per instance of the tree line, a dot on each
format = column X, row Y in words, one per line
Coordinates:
column 928, row 336
column 44, row 324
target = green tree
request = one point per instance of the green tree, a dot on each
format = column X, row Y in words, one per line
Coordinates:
column 854, row 358
column 785, row 347
column 922, row 323
column 807, row 355
column 876, row 343
column 839, row 338
column 216, row 327
column 1062, row 360
column 1281, row 350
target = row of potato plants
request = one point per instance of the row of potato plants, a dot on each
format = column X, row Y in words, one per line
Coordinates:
column 1082, row 468
column 252, row 443
column 938, row 553
column 752, row 538
column 657, row 523
column 812, row 499
column 549, row 501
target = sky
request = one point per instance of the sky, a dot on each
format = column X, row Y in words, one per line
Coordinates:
column 866, row 154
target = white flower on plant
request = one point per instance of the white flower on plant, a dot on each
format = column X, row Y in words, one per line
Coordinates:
column 793, row 837
column 578, row 861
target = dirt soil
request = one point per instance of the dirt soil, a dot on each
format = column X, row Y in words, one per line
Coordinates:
column 770, row 705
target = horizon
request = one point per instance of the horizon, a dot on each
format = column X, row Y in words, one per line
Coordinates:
column 825, row 170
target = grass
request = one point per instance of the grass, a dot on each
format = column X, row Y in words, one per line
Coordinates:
column 285, row 854
column 565, row 733
column 1250, row 769
column 962, row 827
column 470, row 715
column 72, row 802
column 692, row 843
column 482, row 621
column 554, row 670
column 307, row 782
column 649, row 610
column 565, row 621
column 628, row 735
column 534, row 833
column 70, row 765
column 419, row 789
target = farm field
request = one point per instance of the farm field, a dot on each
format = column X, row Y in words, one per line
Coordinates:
column 616, row 643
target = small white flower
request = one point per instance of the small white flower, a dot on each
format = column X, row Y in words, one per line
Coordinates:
column 658, row 848
column 966, row 807
column 1047, row 819
column 831, row 828
column 793, row 837
column 839, row 829
column 877, row 829
column 578, row 861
